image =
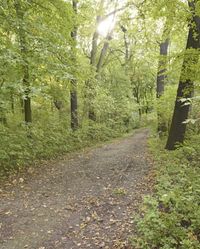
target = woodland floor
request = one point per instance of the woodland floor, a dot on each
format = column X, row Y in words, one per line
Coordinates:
column 86, row 200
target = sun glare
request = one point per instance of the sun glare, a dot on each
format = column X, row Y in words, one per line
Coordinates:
column 106, row 25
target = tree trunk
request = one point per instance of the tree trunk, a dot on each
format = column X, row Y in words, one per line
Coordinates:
column 91, row 113
column 21, row 101
column 12, row 101
column 94, row 43
column 186, row 83
column 27, row 100
column 73, row 92
column 103, row 52
column 105, row 47
column 25, row 66
column 161, row 76
column 162, row 65
column 74, row 107
column 96, row 36
column 126, row 44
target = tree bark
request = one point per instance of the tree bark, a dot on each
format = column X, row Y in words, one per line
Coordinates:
column 186, row 83
column 12, row 101
column 162, row 76
column 105, row 47
column 74, row 106
column 25, row 66
column 126, row 44
column 103, row 52
column 94, row 43
column 91, row 113
column 102, row 56
column 73, row 92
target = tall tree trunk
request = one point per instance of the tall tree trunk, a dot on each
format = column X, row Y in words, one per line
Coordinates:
column 73, row 92
column 74, row 106
column 102, row 56
column 96, row 35
column 94, row 43
column 186, row 83
column 21, row 102
column 126, row 44
column 12, row 101
column 106, row 45
column 162, row 75
column 27, row 100
column 103, row 52
column 25, row 66
column 89, row 85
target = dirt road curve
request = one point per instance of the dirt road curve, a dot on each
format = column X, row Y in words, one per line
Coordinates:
column 84, row 201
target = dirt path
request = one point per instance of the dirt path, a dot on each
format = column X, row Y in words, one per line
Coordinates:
column 84, row 201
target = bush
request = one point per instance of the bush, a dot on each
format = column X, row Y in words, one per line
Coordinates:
column 170, row 217
column 20, row 145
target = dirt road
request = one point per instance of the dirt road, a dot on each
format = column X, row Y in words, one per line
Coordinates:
column 85, row 200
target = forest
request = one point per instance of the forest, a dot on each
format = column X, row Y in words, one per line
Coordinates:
column 114, row 84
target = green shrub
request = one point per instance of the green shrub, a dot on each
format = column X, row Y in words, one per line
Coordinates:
column 170, row 217
column 20, row 145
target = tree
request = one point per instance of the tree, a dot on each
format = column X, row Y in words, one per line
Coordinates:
column 20, row 12
column 162, row 70
column 73, row 92
column 107, row 41
column 162, row 73
column 187, row 78
column 93, row 55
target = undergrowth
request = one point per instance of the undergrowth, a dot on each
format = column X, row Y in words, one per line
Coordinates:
column 169, row 219
column 21, row 145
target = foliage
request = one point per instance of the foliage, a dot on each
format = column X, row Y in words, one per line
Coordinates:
column 53, row 54
column 165, row 106
column 170, row 217
column 41, row 61
column 47, row 139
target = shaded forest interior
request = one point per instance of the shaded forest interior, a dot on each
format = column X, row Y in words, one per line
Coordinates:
column 77, row 72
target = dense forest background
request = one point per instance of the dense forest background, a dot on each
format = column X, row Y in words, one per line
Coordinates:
column 73, row 72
